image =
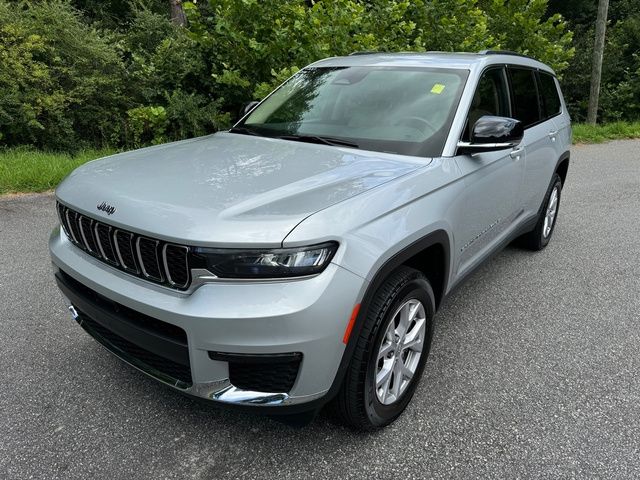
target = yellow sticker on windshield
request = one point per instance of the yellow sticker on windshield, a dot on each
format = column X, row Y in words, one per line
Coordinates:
column 437, row 88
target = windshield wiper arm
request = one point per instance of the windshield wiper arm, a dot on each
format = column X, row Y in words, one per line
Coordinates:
column 320, row 140
column 244, row 131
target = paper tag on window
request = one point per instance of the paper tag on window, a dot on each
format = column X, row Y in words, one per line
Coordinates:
column 437, row 88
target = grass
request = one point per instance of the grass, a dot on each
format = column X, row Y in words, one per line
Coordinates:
column 27, row 170
column 583, row 133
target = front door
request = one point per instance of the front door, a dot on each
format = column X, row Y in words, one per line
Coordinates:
column 493, row 180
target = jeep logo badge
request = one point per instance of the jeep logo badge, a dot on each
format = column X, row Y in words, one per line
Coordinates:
column 106, row 208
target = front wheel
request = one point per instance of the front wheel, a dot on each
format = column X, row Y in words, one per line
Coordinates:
column 391, row 352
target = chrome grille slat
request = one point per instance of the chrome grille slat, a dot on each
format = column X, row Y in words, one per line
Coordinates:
column 124, row 247
column 147, row 258
column 103, row 232
column 87, row 234
column 62, row 215
column 147, row 250
column 68, row 215
column 171, row 262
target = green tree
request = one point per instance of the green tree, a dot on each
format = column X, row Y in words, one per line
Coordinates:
column 256, row 44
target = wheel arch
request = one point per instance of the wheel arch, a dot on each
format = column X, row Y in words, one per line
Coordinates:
column 435, row 245
column 562, row 167
column 431, row 254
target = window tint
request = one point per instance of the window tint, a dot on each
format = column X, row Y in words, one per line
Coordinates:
column 491, row 98
column 549, row 94
column 525, row 95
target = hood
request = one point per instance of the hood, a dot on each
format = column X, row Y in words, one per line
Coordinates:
column 225, row 189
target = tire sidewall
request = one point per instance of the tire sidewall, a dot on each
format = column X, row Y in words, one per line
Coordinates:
column 378, row 413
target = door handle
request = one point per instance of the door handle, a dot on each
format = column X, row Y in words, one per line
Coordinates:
column 552, row 135
column 516, row 153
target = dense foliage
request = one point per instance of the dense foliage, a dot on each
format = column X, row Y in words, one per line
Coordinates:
column 90, row 73
column 620, row 91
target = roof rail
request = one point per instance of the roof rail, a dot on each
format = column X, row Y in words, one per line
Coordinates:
column 504, row 52
column 363, row 52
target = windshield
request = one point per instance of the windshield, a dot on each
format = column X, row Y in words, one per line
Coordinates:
column 388, row 109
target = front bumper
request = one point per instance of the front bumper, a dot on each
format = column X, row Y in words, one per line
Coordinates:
column 307, row 316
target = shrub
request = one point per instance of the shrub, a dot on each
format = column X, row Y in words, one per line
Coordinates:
column 147, row 125
column 255, row 44
column 121, row 74
column 65, row 77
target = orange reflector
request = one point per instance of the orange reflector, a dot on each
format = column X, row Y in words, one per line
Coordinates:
column 352, row 321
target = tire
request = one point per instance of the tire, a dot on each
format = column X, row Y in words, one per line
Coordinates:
column 539, row 237
column 360, row 403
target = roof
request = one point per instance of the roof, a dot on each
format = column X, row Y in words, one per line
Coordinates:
column 463, row 60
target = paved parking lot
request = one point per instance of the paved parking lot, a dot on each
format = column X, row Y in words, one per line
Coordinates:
column 534, row 371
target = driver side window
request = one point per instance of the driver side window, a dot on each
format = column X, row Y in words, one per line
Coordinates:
column 491, row 98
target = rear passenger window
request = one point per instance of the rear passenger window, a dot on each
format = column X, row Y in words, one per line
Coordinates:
column 549, row 94
column 525, row 96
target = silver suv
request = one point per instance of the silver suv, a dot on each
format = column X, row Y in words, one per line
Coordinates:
column 300, row 257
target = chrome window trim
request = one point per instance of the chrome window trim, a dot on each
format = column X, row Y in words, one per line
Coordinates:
column 482, row 146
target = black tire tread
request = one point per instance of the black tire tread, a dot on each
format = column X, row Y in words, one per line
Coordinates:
column 348, row 405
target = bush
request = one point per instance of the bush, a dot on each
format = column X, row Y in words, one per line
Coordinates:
column 65, row 77
column 120, row 74
column 254, row 44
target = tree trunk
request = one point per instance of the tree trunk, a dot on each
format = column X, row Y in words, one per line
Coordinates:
column 177, row 13
column 596, row 69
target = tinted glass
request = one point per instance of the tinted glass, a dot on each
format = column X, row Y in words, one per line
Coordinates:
column 525, row 95
column 490, row 98
column 390, row 109
column 549, row 93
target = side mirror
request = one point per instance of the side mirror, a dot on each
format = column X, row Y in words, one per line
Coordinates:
column 491, row 134
column 247, row 107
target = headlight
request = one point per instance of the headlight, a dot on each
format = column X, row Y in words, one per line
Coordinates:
column 274, row 263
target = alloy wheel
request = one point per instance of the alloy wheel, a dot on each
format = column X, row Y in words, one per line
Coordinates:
column 550, row 215
column 400, row 351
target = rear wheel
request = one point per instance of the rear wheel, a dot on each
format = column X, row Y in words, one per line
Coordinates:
column 539, row 237
column 391, row 352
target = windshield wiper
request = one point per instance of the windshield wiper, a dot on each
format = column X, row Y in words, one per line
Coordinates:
column 244, row 131
column 320, row 140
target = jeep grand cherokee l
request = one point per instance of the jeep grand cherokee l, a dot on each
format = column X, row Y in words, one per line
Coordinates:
column 300, row 257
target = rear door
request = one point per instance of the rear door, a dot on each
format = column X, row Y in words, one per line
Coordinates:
column 539, row 136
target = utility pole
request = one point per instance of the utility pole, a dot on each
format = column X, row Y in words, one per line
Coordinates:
column 596, row 69
column 177, row 13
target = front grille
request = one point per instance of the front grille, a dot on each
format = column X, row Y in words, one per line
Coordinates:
column 261, row 373
column 154, row 260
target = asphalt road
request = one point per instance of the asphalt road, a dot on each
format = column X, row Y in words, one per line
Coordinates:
column 534, row 370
